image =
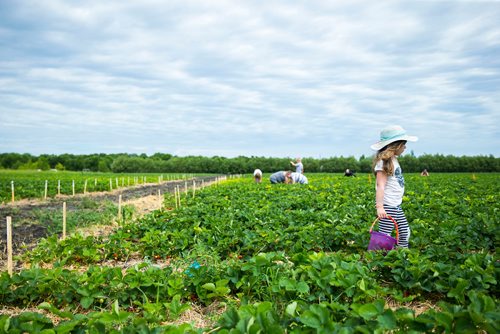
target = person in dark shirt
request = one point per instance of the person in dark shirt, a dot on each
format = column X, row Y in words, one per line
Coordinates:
column 349, row 172
column 281, row 177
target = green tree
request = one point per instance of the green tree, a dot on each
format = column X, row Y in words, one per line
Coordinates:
column 103, row 166
column 43, row 163
column 59, row 166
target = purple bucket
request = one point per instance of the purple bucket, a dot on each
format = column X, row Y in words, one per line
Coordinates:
column 380, row 240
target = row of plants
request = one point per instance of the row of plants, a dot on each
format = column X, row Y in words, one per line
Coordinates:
column 322, row 292
column 31, row 184
column 277, row 258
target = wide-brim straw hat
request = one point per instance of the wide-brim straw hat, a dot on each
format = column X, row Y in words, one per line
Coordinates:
column 391, row 134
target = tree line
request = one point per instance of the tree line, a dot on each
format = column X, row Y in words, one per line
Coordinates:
column 167, row 163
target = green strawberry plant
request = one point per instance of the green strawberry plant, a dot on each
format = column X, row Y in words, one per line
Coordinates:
column 282, row 258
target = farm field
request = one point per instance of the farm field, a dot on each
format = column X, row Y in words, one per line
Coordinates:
column 242, row 257
column 31, row 184
column 33, row 219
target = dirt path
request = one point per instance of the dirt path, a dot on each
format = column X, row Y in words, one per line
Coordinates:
column 144, row 198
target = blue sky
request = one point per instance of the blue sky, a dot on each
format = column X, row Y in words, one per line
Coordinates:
column 253, row 78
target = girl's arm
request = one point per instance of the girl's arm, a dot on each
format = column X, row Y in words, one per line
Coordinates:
column 379, row 195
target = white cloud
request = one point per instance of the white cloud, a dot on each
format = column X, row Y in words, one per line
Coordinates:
column 242, row 78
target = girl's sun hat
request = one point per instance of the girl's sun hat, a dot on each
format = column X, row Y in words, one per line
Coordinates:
column 391, row 134
column 257, row 172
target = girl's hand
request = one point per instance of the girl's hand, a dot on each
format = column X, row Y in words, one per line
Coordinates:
column 381, row 212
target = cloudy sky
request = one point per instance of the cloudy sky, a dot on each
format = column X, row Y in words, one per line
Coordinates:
column 253, row 78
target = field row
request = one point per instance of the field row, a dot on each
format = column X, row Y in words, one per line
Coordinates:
column 17, row 185
column 277, row 259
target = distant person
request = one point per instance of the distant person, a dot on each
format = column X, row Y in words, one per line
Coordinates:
column 257, row 175
column 390, row 183
column 349, row 172
column 424, row 173
column 281, row 177
column 298, row 178
column 299, row 167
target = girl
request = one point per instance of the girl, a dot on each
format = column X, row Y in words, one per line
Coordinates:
column 390, row 185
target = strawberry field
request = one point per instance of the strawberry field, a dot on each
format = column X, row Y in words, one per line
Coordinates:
column 262, row 258
column 31, row 184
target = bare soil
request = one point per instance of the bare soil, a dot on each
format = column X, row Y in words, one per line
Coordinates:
column 28, row 230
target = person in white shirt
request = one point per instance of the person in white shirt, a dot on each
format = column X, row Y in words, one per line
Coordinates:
column 299, row 167
column 298, row 178
column 390, row 184
column 257, row 175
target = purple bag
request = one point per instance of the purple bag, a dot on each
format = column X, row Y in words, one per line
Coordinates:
column 380, row 240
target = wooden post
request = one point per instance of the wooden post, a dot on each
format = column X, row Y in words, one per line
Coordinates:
column 58, row 187
column 110, row 184
column 9, row 246
column 12, row 189
column 120, row 207
column 179, row 195
column 73, row 187
column 186, row 187
column 46, row 188
column 95, row 184
column 175, row 197
column 194, row 188
column 64, row 221
column 159, row 198
column 85, row 187
column 128, row 181
column 117, row 183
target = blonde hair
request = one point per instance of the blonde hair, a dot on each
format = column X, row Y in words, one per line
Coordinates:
column 386, row 154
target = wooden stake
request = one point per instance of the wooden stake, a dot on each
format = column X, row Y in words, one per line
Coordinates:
column 46, row 188
column 179, row 195
column 85, row 187
column 64, row 221
column 194, row 188
column 186, row 187
column 9, row 246
column 58, row 187
column 159, row 198
column 12, row 188
column 73, row 187
column 175, row 197
column 110, row 184
column 120, row 207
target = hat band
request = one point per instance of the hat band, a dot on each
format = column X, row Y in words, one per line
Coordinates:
column 393, row 136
